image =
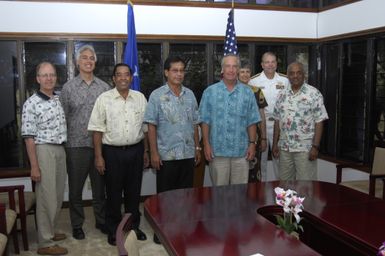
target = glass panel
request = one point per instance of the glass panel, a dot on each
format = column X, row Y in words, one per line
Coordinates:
column 243, row 51
column 379, row 116
column 330, row 81
column 36, row 52
column 235, row 1
column 105, row 52
column 10, row 142
column 303, row 3
column 299, row 53
column 352, row 116
column 196, row 66
column 150, row 67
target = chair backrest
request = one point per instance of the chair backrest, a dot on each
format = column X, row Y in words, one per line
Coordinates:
column 379, row 161
column 124, row 234
column 131, row 244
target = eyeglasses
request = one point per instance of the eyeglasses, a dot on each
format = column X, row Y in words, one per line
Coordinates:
column 85, row 57
column 45, row 76
column 177, row 71
column 127, row 74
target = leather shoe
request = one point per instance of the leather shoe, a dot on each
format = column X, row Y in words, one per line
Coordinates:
column 52, row 250
column 78, row 233
column 139, row 234
column 156, row 239
column 111, row 239
column 102, row 228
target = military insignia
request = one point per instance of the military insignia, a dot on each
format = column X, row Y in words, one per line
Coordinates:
column 279, row 86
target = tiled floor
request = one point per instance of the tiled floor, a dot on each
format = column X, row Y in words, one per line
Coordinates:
column 95, row 243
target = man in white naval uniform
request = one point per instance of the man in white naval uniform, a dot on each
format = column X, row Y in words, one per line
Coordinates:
column 270, row 82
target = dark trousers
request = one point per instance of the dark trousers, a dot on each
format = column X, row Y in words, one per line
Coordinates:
column 80, row 164
column 175, row 174
column 124, row 170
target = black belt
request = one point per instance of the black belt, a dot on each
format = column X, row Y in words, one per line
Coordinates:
column 124, row 147
column 271, row 119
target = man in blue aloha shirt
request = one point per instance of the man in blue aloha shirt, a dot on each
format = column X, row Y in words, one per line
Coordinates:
column 229, row 114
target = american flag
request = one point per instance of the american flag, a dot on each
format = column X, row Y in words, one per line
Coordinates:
column 230, row 47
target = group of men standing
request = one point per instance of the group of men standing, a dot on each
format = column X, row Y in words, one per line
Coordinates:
column 111, row 135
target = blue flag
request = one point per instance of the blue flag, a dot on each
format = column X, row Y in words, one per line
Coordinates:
column 131, row 51
column 230, row 46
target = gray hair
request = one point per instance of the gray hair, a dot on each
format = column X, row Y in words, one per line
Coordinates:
column 44, row 63
column 84, row 48
column 296, row 63
column 230, row 55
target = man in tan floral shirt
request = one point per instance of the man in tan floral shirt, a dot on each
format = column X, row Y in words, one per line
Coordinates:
column 299, row 114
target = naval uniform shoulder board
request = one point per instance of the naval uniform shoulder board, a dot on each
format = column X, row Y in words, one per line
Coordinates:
column 254, row 76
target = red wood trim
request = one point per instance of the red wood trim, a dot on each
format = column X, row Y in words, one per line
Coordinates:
column 6, row 173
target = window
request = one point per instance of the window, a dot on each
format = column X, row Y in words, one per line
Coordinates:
column 194, row 56
column 379, row 108
column 36, row 52
column 352, row 116
column 9, row 106
column 150, row 67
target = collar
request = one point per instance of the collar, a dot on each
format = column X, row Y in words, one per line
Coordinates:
column 80, row 80
column 168, row 90
column 303, row 89
column 44, row 96
column 236, row 86
column 274, row 77
column 116, row 94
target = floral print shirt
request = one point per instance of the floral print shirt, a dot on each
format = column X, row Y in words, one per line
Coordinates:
column 297, row 114
column 228, row 115
column 175, row 119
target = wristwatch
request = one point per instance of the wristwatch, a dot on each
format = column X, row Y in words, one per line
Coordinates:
column 198, row 148
column 253, row 142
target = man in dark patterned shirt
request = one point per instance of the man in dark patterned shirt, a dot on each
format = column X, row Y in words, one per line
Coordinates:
column 78, row 97
column 255, row 166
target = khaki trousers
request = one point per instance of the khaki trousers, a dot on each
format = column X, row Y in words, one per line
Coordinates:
column 49, row 191
column 229, row 170
column 296, row 166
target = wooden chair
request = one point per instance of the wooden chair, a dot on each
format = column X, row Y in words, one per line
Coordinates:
column 375, row 186
column 25, row 201
column 10, row 213
column 3, row 230
column 126, row 240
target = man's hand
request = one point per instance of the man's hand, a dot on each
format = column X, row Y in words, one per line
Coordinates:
column 197, row 157
column 263, row 145
column 313, row 154
column 250, row 153
column 275, row 151
column 35, row 174
column 155, row 160
column 208, row 152
column 146, row 160
column 100, row 165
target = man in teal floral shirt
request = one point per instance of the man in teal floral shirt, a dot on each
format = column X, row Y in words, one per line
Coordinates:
column 299, row 114
column 172, row 117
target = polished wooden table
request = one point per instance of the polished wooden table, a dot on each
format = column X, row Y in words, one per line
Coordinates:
column 236, row 220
